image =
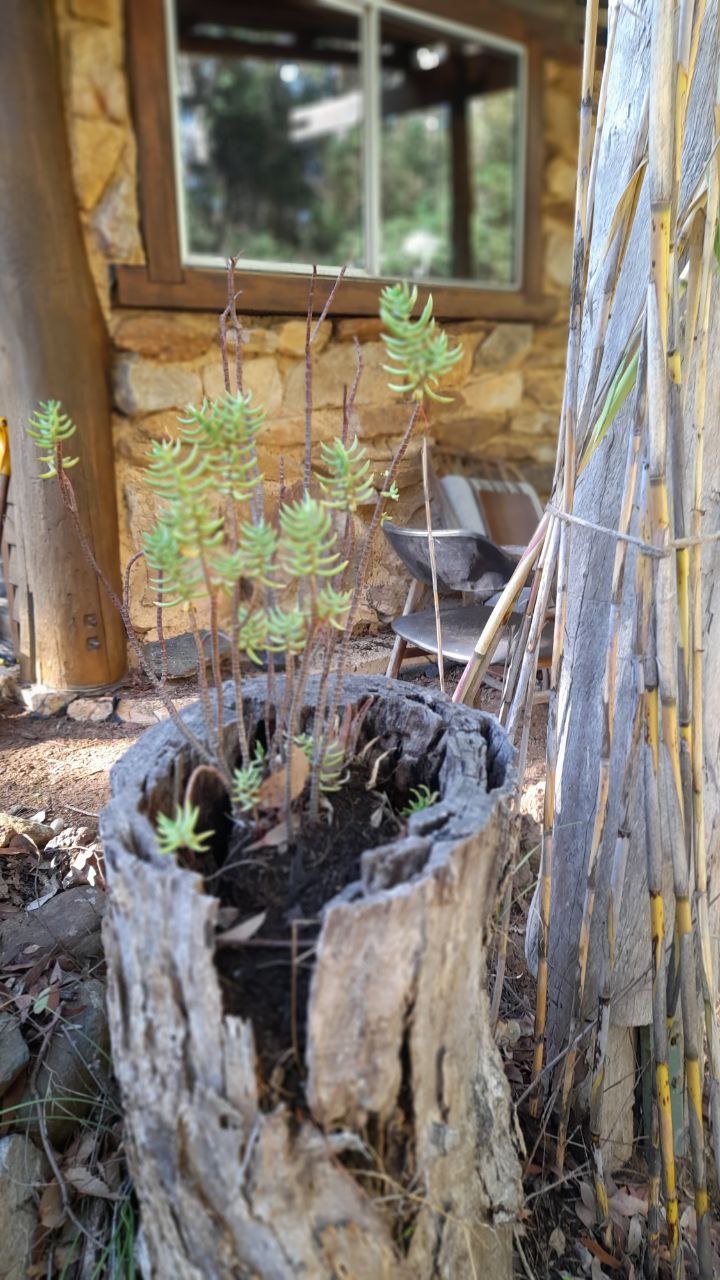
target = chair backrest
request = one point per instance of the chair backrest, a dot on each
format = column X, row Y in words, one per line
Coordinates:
column 506, row 511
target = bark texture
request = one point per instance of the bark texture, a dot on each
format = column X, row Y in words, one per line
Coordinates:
column 598, row 498
column 398, row 1033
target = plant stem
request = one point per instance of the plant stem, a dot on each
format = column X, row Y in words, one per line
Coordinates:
column 68, row 496
column 433, row 563
column 360, row 575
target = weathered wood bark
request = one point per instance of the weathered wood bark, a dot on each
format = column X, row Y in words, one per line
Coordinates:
column 397, row 1032
column 598, row 498
column 52, row 345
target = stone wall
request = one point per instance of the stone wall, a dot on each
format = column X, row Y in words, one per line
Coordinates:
column 506, row 390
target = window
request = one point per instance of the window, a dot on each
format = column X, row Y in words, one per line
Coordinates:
column 339, row 133
column 396, row 141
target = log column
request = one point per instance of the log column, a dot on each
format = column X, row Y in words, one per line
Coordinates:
column 53, row 344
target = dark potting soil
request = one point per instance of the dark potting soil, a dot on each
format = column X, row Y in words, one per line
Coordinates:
column 267, row 979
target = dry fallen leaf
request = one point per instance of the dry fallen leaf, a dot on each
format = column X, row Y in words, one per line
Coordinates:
column 273, row 838
column 87, row 1183
column 627, row 1205
column 586, row 1216
column 272, row 790
column 372, row 780
column 50, row 1209
column 557, row 1242
column 634, row 1237
column 601, row 1254
column 241, row 932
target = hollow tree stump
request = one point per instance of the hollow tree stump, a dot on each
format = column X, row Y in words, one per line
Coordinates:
column 398, row 1038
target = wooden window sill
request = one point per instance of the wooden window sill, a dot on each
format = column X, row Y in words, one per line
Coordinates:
column 268, row 293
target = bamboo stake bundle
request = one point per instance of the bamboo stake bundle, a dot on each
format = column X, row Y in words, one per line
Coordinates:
column 670, row 122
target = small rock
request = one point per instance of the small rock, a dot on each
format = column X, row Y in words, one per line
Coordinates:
column 10, row 684
column 86, row 866
column 142, row 386
column 292, row 335
column 44, row 702
column 90, row 708
column 505, row 346
column 92, row 10
column 532, row 800
column 14, row 1053
column 98, row 147
column 69, row 838
column 181, row 654
column 75, row 1066
column 139, row 711
column 11, row 826
column 57, row 824
column 68, row 924
column 22, row 1169
column 168, row 338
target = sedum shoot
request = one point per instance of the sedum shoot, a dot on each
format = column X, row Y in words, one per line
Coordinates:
column 286, row 587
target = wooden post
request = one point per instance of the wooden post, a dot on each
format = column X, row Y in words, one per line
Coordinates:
column 53, row 344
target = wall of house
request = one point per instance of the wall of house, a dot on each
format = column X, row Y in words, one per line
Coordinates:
column 506, row 390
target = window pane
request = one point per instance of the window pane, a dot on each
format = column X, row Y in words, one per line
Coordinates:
column 270, row 121
column 449, row 156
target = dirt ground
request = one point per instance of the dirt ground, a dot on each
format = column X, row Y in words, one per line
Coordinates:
column 62, row 765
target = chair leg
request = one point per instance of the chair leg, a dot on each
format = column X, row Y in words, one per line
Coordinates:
column 414, row 596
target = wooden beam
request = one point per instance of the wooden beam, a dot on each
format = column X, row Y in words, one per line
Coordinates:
column 52, row 345
column 152, row 112
column 275, row 293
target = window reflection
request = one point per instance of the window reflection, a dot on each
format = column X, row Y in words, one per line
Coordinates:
column 271, row 132
column 449, row 156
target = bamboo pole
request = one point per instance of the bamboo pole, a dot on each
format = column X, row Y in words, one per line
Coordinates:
column 566, row 452
column 659, row 969
column 697, row 745
column 670, row 772
column 597, row 1087
column 472, row 676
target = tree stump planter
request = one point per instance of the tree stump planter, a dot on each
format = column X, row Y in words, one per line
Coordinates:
column 398, row 1160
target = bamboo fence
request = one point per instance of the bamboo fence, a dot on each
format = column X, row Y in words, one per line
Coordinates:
column 662, row 374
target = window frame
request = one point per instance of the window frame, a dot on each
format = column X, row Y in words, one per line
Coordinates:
column 166, row 281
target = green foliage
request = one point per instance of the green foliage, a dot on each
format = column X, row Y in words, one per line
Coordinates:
column 246, row 782
column 225, row 432
column 179, row 833
column 253, row 632
column 308, row 546
column 620, row 388
column 419, row 351
column 420, row 798
column 254, row 558
column 332, row 765
column 288, row 570
column 332, row 606
column 287, row 630
column 349, row 483
column 49, row 427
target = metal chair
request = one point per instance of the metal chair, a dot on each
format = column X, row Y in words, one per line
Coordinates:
column 482, row 528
